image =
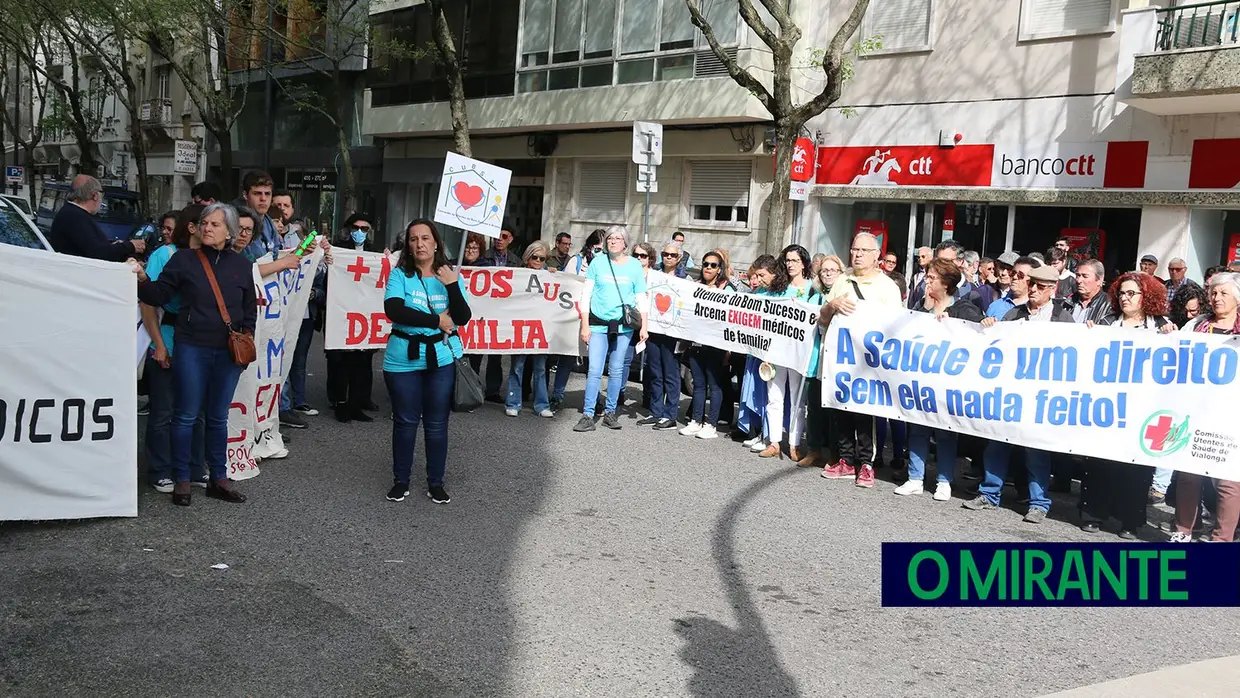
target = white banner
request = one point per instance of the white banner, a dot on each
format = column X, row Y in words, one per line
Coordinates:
column 254, row 419
column 515, row 311
column 1124, row 395
column 1050, row 165
column 68, row 398
column 778, row 330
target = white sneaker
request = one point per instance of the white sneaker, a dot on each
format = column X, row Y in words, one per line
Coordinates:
column 282, row 453
column 708, row 432
column 512, row 413
column 547, row 414
column 1178, row 537
column 691, row 428
column 942, row 492
column 911, row 487
column 758, row 447
column 750, row 442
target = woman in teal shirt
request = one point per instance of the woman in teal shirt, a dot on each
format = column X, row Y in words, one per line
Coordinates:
column 612, row 283
column 426, row 305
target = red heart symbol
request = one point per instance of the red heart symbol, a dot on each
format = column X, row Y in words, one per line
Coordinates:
column 662, row 302
column 467, row 195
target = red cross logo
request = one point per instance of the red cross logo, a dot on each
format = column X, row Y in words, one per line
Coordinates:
column 358, row 270
column 1158, row 432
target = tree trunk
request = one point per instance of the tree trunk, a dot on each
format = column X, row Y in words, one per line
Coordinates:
column 778, row 230
column 448, row 59
column 138, row 144
column 350, row 177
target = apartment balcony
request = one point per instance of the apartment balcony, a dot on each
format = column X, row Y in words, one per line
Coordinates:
column 1183, row 60
column 156, row 113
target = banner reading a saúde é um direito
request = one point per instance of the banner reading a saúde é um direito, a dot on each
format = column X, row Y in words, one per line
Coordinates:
column 1125, row 395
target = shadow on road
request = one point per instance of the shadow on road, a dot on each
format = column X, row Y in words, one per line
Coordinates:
column 738, row 661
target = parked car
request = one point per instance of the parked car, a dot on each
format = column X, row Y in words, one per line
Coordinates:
column 16, row 228
column 20, row 202
column 118, row 215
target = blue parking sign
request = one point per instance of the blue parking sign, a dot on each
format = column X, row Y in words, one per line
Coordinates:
column 13, row 174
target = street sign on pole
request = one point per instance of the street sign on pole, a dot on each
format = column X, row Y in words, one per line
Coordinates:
column 14, row 174
column 647, row 179
column 647, row 143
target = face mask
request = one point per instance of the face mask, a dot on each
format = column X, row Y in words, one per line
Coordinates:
column 358, row 237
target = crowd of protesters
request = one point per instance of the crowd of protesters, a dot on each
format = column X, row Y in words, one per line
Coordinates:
column 772, row 411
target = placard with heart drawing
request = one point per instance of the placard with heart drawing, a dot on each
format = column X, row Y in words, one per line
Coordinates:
column 472, row 195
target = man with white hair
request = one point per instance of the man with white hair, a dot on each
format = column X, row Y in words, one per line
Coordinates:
column 75, row 231
column 866, row 283
column 1177, row 276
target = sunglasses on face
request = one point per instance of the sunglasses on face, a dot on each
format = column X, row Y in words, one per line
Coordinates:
column 1019, row 275
column 670, row 255
column 539, row 258
column 1044, row 285
column 710, row 265
column 363, row 228
column 642, row 255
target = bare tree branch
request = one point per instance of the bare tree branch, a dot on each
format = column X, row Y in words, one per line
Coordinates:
column 833, row 65
column 449, row 61
column 742, row 77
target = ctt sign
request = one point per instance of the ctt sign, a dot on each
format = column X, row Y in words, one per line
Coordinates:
column 1094, row 165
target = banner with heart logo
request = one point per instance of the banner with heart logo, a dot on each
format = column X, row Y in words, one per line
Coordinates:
column 515, row 311
column 778, row 330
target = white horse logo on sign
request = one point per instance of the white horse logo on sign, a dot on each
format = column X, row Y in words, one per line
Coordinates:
column 877, row 169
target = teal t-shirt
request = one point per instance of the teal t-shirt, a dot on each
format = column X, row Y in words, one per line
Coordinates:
column 154, row 266
column 605, row 299
column 414, row 291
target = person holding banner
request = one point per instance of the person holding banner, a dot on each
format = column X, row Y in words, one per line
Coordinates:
column 865, row 283
column 1116, row 489
column 708, row 364
column 350, row 372
column 426, row 305
column 764, row 273
column 158, row 369
column 535, row 257
column 786, row 382
column 663, row 367
column 615, row 294
column 669, row 261
column 942, row 280
column 1042, row 306
column 1222, row 317
column 577, row 265
column 203, row 370
column 827, row 269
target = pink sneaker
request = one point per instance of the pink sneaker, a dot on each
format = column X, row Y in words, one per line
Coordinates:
column 839, row 471
column 865, row 476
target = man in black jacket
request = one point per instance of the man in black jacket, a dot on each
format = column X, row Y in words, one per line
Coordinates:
column 75, row 231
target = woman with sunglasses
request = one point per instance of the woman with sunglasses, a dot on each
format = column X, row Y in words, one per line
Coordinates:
column 350, row 372
column 662, row 361
column 788, row 383
column 708, row 364
column 670, row 261
column 643, row 252
column 535, row 258
column 615, row 287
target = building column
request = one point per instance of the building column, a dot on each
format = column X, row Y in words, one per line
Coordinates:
column 1164, row 234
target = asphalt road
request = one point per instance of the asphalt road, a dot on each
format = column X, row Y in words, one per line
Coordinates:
column 627, row 563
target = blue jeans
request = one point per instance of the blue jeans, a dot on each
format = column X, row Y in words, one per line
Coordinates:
column 1162, row 478
column 159, row 387
column 664, row 376
column 294, row 394
column 919, row 452
column 898, row 438
column 706, row 365
column 204, row 380
column 609, row 350
column 1038, row 463
column 563, row 370
column 538, row 377
column 420, row 396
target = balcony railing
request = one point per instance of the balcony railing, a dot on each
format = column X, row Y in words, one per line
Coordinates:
column 1196, row 26
column 156, row 112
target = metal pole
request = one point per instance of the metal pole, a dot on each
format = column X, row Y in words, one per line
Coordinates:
column 460, row 253
column 649, row 177
column 267, row 96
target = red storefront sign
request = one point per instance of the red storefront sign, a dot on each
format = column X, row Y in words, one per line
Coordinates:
column 1233, row 249
column 1085, row 243
column 803, row 158
column 876, row 228
column 949, row 220
column 1215, row 164
column 906, row 165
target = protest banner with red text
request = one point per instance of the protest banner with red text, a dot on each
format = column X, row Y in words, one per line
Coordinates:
column 254, row 418
column 515, row 311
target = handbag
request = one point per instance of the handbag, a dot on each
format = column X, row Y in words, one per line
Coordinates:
column 468, row 392
column 240, row 344
column 630, row 317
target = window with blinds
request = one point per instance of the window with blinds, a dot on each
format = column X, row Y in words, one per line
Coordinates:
column 602, row 191
column 1049, row 18
column 719, row 191
column 902, row 25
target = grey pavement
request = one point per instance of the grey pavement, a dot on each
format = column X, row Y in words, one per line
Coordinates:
column 627, row 563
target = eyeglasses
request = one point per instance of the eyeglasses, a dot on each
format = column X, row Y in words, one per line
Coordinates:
column 539, row 258
column 670, row 255
column 1128, row 294
column 793, row 260
column 1019, row 275
column 710, row 265
column 1044, row 285
column 1177, row 268
column 363, row 228
column 642, row 255
column 247, row 228
column 830, row 272
column 863, row 250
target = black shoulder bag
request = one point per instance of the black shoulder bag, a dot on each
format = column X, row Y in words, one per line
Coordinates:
column 468, row 392
column 631, row 317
